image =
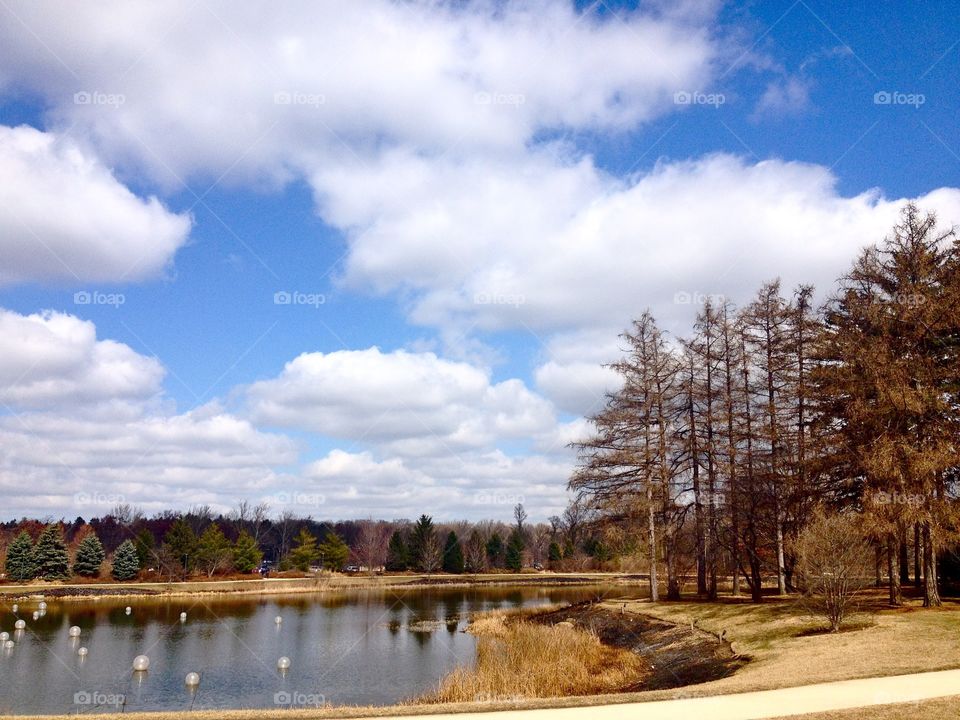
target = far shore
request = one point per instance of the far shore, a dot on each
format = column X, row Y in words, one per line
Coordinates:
column 321, row 582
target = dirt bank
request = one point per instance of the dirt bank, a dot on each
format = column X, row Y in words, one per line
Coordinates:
column 677, row 655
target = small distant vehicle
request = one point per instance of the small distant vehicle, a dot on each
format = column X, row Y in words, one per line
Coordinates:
column 265, row 567
column 537, row 566
column 352, row 568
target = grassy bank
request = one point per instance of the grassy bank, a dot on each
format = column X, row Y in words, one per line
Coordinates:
column 307, row 584
column 519, row 659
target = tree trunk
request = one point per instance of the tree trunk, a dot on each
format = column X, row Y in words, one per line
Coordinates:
column 931, row 591
column 917, row 561
column 904, row 557
column 893, row 571
column 652, row 529
column 878, row 559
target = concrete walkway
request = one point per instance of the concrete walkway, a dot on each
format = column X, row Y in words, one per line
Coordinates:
column 753, row 705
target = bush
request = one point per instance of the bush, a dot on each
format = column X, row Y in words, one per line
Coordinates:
column 835, row 563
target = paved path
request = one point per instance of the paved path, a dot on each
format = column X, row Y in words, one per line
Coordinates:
column 753, row 705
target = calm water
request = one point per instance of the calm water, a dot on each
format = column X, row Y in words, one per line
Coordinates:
column 349, row 649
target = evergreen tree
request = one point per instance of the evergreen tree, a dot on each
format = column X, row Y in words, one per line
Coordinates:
column 246, row 554
column 334, row 552
column 182, row 543
column 554, row 553
column 305, row 553
column 50, row 555
column 90, row 556
column 453, row 555
column 144, row 543
column 421, row 540
column 514, row 554
column 213, row 550
column 126, row 564
column 21, row 564
column 495, row 550
column 398, row 556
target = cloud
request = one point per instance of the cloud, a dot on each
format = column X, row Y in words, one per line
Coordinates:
column 64, row 216
column 416, row 404
column 783, row 96
column 324, row 78
column 549, row 245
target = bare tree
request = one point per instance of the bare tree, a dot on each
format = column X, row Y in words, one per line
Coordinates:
column 370, row 547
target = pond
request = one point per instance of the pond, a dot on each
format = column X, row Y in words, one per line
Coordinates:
column 362, row 648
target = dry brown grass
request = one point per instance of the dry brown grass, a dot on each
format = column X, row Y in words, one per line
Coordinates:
column 517, row 659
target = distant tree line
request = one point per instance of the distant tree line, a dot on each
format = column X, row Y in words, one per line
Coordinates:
column 719, row 447
column 125, row 544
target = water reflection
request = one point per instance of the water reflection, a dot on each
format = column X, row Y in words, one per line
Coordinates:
column 344, row 648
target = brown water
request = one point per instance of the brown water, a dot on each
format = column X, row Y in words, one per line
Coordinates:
column 347, row 649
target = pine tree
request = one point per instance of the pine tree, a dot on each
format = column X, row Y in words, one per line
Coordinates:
column 144, row 542
column 554, row 553
column 214, row 552
column 334, row 552
column 90, row 556
column 50, row 554
column 182, row 543
column 398, row 557
column 422, row 541
column 126, row 563
column 21, row 564
column 246, row 554
column 305, row 553
column 453, row 561
column 495, row 550
column 514, row 555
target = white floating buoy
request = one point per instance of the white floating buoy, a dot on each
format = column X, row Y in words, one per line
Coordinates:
column 283, row 663
column 278, row 619
column 4, row 636
column 128, row 610
column 183, row 617
column 74, row 631
column 36, row 615
column 141, row 663
column 15, row 607
column 42, row 606
column 82, row 652
column 8, row 644
column 192, row 679
column 20, row 624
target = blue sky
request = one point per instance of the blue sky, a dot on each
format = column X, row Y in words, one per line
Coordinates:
column 485, row 193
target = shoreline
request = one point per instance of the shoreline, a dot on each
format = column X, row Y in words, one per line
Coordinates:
column 303, row 585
